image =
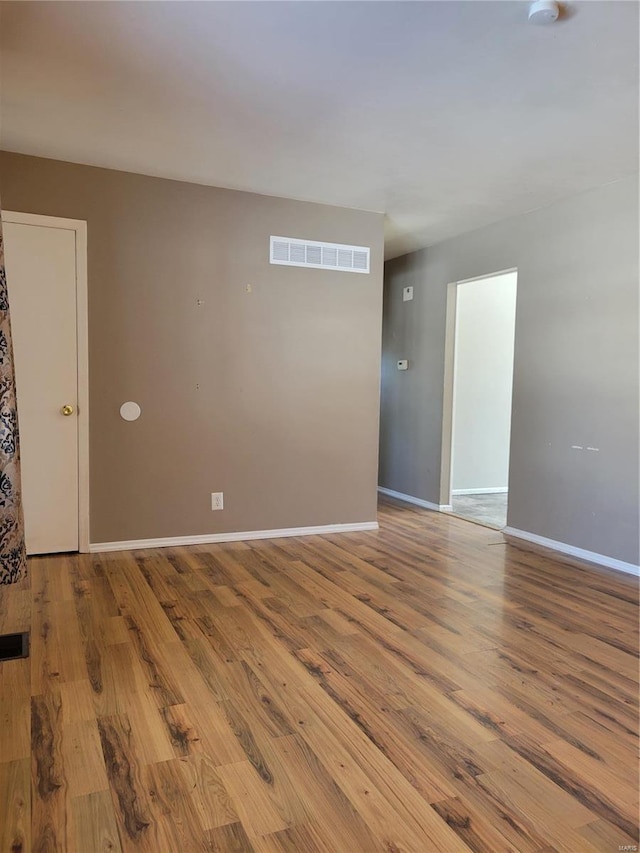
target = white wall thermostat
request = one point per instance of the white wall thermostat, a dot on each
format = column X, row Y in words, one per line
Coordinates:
column 403, row 364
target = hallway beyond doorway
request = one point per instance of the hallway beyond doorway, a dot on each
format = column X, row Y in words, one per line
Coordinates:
column 485, row 509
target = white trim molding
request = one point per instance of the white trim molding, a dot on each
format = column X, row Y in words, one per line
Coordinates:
column 500, row 490
column 572, row 551
column 241, row 536
column 409, row 499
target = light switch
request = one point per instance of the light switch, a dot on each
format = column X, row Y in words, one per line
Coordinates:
column 407, row 294
column 403, row 364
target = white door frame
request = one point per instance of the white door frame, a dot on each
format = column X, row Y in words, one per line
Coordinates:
column 448, row 400
column 79, row 226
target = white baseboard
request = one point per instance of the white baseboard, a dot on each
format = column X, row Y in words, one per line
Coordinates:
column 572, row 551
column 409, row 499
column 499, row 490
column 211, row 538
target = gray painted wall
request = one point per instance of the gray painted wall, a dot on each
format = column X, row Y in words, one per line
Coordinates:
column 575, row 368
column 285, row 421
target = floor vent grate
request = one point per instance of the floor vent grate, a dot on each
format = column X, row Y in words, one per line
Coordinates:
column 14, row 646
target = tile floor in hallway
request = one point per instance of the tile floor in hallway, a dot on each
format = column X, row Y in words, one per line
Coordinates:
column 486, row 509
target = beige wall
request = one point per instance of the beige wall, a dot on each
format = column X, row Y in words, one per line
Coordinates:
column 285, row 418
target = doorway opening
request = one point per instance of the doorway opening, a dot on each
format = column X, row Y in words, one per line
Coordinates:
column 481, row 314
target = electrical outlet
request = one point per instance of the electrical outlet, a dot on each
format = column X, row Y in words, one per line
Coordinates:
column 217, row 500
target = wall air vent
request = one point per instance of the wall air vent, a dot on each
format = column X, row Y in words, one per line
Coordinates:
column 291, row 252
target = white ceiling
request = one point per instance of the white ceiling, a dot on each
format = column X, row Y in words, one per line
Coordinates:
column 444, row 115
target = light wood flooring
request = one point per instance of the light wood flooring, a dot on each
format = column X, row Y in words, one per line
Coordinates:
column 427, row 687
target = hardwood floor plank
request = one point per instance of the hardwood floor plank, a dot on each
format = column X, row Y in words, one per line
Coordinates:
column 50, row 803
column 477, row 832
column 423, row 687
column 366, row 707
column 15, row 608
column 15, row 805
column 250, row 797
column 15, row 727
column 385, row 799
column 205, row 714
column 83, row 759
column 94, row 822
column 174, row 816
column 210, row 798
column 596, row 739
column 130, row 801
column 77, row 701
column 583, row 767
column 568, row 780
column 321, row 802
column 245, row 685
column 532, row 807
column 603, row 836
column 158, row 679
column 182, row 733
column 481, row 804
column 230, row 838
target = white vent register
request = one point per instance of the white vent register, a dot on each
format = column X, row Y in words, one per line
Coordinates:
column 291, row 252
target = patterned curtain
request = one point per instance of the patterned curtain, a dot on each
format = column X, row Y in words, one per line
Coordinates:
column 13, row 558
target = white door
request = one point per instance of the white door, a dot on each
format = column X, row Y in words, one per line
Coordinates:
column 41, row 277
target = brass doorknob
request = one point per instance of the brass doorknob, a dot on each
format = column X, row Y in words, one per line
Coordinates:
column 67, row 410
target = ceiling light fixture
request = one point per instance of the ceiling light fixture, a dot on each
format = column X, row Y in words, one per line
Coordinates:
column 544, row 12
